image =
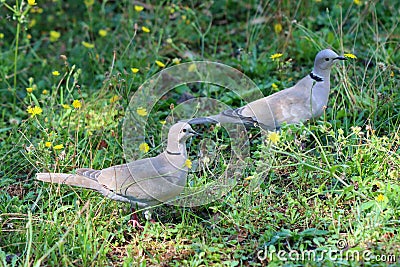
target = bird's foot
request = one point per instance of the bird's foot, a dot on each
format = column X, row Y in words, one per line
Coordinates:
column 134, row 221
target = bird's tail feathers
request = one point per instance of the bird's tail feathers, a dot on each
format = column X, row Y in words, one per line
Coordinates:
column 202, row 120
column 69, row 179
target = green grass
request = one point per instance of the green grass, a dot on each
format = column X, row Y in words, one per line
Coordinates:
column 324, row 183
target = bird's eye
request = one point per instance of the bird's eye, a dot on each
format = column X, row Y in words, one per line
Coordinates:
column 184, row 130
column 326, row 59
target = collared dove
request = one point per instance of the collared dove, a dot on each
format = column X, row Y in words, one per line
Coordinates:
column 144, row 182
column 303, row 101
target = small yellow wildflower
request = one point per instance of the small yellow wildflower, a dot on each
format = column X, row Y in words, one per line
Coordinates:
column 278, row 28
column 176, row 61
column 392, row 74
column 114, row 99
column 45, row 92
column 87, row 45
column 47, row 144
column 249, row 178
column 134, row 70
column 65, row 106
column 58, row 147
column 29, row 90
column 183, row 17
column 380, row 198
column 188, row 163
column 163, row 122
column 1, row 35
column 32, row 23
column 55, row 73
column 139, row 8
column 32, row 2
column 274, row 137
column 274, row 86
column 141, row 111
column 340, row 131
column 276, row 56
column 34, row 111
column 356, row 129
column 145, row 29
column 76, row 104
column 171, row 10
column 357, row 2
column 160, row 64
column 169, row 41
column 89, row 3
column 144, row 147
column 103, row 33
column 54, row 36
column 192, row 67
column 348, row 55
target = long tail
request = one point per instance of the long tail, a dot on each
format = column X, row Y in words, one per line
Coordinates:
column 201, row 120
column 70, row 179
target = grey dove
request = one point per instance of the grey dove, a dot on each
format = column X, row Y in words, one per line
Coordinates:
column 303, row 101
column 144, row 182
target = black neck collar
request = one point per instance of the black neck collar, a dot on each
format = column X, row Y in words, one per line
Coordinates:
column 316, row 77
column 173, row 153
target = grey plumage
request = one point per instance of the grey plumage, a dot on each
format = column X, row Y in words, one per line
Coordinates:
column 303, row 101
column 144, row 182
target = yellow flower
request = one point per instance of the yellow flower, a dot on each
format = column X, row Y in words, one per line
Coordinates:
column 77, row 104
column 276, row 56
column 249, row 178
column 176, row 61
column 348, row 55
column 54, row 35
column 274, row 137
column 380, row 198
column 169, row 41
column 357, row 2
column 144, row 147
column 160, row 64
column 1, row 35
column 188, row 163
column 192, row 67
column 274, row 86
column 145, row 29
column 340, row 131
column 47, row 144
column 278, row 28
column 163, row 122
column 172, row 10
column 114, row 99
column 141, row 111
column 55, row 73
column 102, row 32
column 88, row 3
column 135, row 70
column 138, row 8
column 32, row 23
column 65, row 106
column 58, row 147
column 34, row 111
column 392, row 74
column 32, row 2
column 45, row 92
column 87, row 45
column 29, row 90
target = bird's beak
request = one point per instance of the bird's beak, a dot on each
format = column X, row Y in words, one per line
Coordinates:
column 194, row 133
column 340, row 58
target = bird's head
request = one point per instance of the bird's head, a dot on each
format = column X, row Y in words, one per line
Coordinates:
column 325, row 59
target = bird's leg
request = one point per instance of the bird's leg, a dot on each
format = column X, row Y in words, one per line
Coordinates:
column 135, row 219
